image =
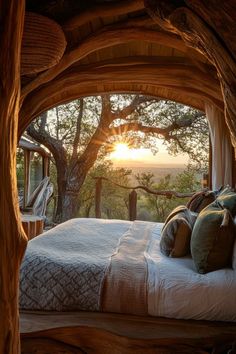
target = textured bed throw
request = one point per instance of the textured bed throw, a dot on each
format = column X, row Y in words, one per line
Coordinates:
column 81, row 264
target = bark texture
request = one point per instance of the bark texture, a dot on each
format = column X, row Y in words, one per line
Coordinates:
column 104, row 333
column 209, row 27
column 12, row 237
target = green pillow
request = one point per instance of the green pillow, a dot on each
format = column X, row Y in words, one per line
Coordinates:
column 212, row 239
column 227, row 200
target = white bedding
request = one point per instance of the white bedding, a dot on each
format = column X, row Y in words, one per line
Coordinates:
column 176, row 290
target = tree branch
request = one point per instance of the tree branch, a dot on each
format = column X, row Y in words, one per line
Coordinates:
column 55, row 146
column 166, row 193
column 132, row 107
column 103, row 10
column 138, row 127
column 102, row 39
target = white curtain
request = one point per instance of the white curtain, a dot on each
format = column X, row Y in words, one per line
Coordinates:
column 221, row 147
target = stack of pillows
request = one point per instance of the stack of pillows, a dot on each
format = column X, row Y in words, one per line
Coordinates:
column 205, row 229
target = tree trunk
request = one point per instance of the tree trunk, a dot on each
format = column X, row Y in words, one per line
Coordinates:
column 61, row 188
column 68, row 194
column 70, row 205
column 12, row 238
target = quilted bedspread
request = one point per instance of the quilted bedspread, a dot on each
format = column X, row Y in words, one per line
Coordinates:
column 82, row 264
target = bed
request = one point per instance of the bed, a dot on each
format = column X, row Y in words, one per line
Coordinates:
column 87, row 270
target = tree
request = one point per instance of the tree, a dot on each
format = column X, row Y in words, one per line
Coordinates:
column 85, row 130
column 157, row 208
column 114, row 200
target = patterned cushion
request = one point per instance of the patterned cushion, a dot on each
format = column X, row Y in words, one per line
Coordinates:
column 200, row 200
column 176, row 233
column 212, row 239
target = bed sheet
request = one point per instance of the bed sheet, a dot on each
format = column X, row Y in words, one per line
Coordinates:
column 66, row 269
column 176, row 290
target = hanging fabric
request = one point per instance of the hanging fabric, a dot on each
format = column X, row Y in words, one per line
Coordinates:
column 221, row 147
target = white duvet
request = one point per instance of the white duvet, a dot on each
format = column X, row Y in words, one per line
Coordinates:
column 176, row 290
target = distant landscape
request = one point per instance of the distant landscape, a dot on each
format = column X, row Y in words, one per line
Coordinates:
column 159, row 170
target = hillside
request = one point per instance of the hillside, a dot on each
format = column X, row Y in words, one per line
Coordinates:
column 159, row 171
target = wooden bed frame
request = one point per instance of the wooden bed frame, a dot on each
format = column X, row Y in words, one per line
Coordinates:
column 103, row 333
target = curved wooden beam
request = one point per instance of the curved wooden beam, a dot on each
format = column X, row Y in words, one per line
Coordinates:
column 183, row 79
column 104, row 10
column 213, row 13
column 199, row 34
column 190, row 98
column 13, row 240
column 103, row 39
column 115, row 333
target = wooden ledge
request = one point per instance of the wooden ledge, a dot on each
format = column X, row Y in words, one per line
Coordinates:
column 116, row 333
column 32, row 225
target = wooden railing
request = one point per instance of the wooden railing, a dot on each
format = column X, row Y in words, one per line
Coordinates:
column 132, row 196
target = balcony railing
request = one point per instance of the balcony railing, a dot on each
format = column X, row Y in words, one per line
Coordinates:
column 132, row 196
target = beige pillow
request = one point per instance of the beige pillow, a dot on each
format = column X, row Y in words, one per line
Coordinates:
column 200, row 200
column 176, row 233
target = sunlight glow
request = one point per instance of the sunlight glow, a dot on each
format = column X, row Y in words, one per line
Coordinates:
column 123, row 152
column 123, row 155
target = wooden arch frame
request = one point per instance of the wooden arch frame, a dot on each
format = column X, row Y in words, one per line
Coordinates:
column 94, row 80
column 192, row 21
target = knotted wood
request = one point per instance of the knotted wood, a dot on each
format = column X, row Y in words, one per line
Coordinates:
column 197, row 24
column 12, row 237
column 105, row 333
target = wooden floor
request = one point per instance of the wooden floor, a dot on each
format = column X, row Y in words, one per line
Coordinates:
column 101, row 333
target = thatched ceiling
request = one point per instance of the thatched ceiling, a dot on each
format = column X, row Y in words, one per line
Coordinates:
column 114, row 46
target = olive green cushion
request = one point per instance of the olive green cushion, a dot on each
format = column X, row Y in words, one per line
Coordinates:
column 227, row 199
column 211, row 241
column 176, row 233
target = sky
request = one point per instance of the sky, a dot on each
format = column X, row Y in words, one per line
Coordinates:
column 124, row 155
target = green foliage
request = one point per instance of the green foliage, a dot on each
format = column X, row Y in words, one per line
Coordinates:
column 72, row 126
column 193, row 139
column 156, row 208
column 114, row 201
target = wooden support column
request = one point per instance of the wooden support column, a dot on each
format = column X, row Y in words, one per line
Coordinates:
column 98, row 195
column 233, row 168
column 26, row 176
column 210, row 165
column 45, row 166
column 133, row 205
column 12, row 237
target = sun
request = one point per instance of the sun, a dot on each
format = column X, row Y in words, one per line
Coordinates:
column 121, row 151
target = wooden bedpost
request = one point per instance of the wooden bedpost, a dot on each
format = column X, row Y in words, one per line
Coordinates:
column 98, row 196
column 12, row 238
column 133, row 205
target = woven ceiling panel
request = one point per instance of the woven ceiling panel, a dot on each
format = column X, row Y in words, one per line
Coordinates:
column 43, row 44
